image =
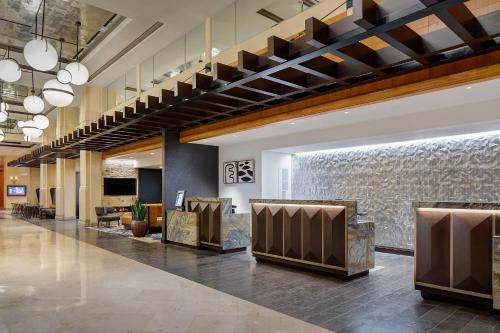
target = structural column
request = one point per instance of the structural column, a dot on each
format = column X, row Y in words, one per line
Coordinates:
column 93, row 104
column 90, row 186
column 67, row 121
column 44, row 185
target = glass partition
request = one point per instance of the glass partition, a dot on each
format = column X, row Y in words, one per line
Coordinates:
column 130, row 84
column 147, row 74
column 224, row 29
column 170, row 60
column 195, row 46
column 116, row 92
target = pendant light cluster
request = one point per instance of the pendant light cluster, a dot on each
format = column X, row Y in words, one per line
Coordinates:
column 33, row 129
column 41, row 55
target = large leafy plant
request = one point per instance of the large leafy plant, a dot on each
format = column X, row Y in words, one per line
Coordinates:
column 138, row 211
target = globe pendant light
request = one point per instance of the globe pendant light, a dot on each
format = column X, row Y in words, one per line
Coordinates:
column 20, row 123
column 41, row 121
column 63, row 75
column 3, row 116
column 9, row 69
column 79, row 73
column 31, row 130
column 32, row 103
column 39, row 53
column 57, row 93
column 4, row 107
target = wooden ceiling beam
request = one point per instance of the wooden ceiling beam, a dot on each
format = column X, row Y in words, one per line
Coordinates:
column 472, row 69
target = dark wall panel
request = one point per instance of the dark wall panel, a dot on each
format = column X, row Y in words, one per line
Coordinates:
column 150, row 185
column 190, row 167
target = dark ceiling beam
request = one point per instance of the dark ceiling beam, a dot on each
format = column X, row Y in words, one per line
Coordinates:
column 462, row 22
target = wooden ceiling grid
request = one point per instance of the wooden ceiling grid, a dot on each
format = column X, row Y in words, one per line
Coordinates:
column 375, row 42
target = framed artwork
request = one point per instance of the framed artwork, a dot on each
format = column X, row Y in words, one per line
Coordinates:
column 230, row 172
column 179, row 199
column 246, row 171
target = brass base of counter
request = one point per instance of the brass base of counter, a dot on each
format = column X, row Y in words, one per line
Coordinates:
column 310, row 266
column 218, row 248
column 454, row 297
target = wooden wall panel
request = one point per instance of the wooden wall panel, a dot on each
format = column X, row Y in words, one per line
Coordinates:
column 312, row 234
column 433, row 248
column 334, row 240
column 259, row 214
column 275, row 230
column 292, row 232
column 472, row 251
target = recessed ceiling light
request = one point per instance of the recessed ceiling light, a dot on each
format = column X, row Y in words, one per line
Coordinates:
column 131, row 157
column 468, row 88
column 346, row 112
column 292, row 123
column 151, row 153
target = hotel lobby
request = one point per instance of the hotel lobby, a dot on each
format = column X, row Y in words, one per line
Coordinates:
column 250, row 166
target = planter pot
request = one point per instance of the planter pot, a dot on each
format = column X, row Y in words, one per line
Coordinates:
column 139, row 228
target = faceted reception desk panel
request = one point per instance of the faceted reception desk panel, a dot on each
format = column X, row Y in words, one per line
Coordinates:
column 321, row 235
column 454, row 250
column 209, row 222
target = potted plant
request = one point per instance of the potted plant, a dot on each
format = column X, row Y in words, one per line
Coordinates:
column 139, row 224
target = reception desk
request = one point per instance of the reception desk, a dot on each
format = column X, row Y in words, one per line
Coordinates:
column 320, row 235
column 209, row 223
column 457, row 252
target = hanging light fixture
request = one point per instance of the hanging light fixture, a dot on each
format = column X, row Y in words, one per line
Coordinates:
column 39, row 53
column 57, row 93
column 2, row 135
column 79, row 73
column 32, row 103
column 9, row 69
column 27, row 138
column 63, row 75
column 4, row 107
column 41, row 121
column 31, row 130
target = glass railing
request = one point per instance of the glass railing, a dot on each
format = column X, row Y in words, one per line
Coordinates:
column 237, row 23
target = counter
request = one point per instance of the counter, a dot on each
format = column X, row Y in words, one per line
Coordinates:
column 454, row 248
column 314, row 234
column 210, row 223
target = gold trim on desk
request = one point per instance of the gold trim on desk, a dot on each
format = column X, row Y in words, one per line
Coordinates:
column 299, row 260
column 459, row 291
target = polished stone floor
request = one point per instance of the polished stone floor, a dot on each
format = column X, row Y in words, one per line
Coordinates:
column 384, row 301
column 50, row 282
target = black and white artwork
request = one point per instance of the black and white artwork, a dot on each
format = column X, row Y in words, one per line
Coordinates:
column 230, row 172
column 246, row 171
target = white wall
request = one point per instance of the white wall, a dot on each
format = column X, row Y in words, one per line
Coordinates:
column 272, row 165
column 241, row 193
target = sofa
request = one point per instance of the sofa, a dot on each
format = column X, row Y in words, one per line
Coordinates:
column 154, row 212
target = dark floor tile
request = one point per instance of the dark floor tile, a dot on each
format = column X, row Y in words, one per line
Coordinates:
column 384, row 301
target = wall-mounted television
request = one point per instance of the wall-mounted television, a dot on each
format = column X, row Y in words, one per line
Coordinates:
column 120, row 186
column 16, row 190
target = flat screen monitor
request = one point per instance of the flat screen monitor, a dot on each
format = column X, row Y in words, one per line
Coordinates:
column 120, row 186
column 16, row 190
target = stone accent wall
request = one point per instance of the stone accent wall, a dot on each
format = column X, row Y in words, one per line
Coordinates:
column 118, row 169
column 385, row 179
